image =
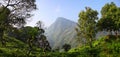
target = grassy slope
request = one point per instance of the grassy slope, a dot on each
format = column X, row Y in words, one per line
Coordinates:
column 108, row 46
column 13, row 47
column 16, row 48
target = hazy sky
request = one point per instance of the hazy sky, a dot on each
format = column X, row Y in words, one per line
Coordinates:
column 49, row 10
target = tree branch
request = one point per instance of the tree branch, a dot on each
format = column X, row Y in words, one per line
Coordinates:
column 7, row 4
column 14, row 4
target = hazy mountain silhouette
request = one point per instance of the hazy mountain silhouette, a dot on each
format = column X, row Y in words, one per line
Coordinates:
column 60, row 32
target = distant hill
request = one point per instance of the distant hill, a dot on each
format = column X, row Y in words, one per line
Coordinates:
column 60, row 32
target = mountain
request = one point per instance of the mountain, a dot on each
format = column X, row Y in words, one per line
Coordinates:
column 60, row 32
column 63, row 31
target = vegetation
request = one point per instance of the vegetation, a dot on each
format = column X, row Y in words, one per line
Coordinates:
column 86, row 29
column 110, row 19
column 17, row 40
column 11, row 14
column 66, row 47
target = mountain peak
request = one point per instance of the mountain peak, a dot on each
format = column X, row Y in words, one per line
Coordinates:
column 58, row 32
column 62, row 19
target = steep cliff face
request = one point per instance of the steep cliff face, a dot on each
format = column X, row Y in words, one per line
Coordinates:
column 60, row 32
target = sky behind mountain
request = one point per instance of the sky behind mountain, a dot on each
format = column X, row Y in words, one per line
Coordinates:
column 49, row 10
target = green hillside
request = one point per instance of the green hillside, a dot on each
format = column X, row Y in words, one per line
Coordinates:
column 107, row 46
column 15, row 47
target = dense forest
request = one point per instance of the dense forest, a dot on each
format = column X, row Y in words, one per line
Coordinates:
column 18, row 40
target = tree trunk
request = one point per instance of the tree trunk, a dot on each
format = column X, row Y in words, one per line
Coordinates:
column 116, row 34
column 3, row 38
column 90, row 42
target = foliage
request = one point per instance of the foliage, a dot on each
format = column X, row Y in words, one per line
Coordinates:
column 107, row 46
column 110, row 18
column 13, row 13
column 31, row 41
column 86, row 29
column 4, row 23
column 30, row 34
column 102, row 49
column 19, row 10
column 14, row 50
column 41, row 38
column 66, row 47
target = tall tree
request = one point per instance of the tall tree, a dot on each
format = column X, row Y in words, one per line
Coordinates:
column 42, row 39
column 30, row 34
column 3, row 23
column 110, row 18
column 86, row 28
column 14, row 13
column 19, row 10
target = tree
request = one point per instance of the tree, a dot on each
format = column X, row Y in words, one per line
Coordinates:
column 14, row 13
column 3, row 24
column 30, row 34
column 66, row 47
column 86, row 27
column 42, row 40
column 110, row 18
column 19, row 10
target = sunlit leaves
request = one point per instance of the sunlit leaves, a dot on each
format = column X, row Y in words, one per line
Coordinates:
column 86, row 29
column 110, row 18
